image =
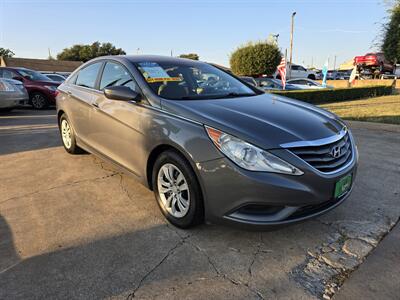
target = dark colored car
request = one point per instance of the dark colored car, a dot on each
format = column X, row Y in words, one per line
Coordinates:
column 249, row 80
column 209, row 146
column 41, row 89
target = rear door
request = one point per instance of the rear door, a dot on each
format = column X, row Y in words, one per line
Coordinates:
column 82, row 93
column 117, row 124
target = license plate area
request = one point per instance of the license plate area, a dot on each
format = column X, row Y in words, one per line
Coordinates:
column 343, row 186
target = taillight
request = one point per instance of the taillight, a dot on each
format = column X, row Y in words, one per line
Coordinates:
column 56, row 93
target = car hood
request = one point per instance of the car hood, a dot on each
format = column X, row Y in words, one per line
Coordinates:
column 264, row 120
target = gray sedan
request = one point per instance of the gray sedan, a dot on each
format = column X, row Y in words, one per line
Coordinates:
column 12, row 94
column 210, row 147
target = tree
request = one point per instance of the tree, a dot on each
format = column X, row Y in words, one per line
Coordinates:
column 193, row 56
column 6, row 52
column 391, row 36
column 254, row 59
column 87, row 52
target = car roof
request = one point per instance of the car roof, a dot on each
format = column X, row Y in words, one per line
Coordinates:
column 143, row 58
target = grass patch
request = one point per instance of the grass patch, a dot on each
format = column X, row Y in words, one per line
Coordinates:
column 384, row 109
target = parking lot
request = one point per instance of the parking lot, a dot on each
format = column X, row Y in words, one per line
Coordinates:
column 74, row 227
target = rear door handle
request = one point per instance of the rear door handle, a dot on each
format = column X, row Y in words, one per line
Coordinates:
column 69, row 93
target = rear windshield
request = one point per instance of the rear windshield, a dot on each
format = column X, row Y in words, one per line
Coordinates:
column 187, row 81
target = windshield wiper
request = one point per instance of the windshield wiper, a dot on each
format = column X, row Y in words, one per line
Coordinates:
column 235, row 95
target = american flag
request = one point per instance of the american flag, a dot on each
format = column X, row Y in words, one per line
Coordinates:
column 282, row 71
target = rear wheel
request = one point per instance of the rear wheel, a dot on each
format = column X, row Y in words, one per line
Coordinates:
column 68, row 136
column 38, row 100
column 177, row 190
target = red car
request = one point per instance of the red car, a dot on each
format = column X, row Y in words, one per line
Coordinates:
column 374, row 62
column 41, row 89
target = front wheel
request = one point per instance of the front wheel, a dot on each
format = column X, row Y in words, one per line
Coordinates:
column 38, row 101
column 177, row 190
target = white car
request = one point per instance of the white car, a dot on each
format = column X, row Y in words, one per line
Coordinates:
column 298, row 72
column 307, row 84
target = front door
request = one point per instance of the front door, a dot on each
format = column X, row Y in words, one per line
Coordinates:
column 117, row 125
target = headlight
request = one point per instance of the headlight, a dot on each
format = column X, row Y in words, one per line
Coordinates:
column 51, row 87
column 6, row 87
column 248, row 156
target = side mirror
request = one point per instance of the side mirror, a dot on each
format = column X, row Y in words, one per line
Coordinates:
column 121, row 93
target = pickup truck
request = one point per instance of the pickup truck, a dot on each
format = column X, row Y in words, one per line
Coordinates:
column 374, row 62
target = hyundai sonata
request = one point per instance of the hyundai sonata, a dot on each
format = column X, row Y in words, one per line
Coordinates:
column 212, row 147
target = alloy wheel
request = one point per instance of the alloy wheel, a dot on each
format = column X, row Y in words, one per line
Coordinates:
column 38, row 101
column 173, row 190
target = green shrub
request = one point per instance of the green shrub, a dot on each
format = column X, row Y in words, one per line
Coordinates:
column 254, row 59
column 335, row 95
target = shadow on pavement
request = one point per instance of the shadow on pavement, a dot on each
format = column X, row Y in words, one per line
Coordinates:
column 103, row 268
column 8, row 254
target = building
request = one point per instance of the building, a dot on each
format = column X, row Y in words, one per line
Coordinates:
column 41, row 65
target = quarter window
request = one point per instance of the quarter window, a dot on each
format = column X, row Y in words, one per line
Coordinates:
column 116, row 75
column 88, row 75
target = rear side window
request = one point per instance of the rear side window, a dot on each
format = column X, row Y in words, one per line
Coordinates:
column 88, row 75
column 115, row 74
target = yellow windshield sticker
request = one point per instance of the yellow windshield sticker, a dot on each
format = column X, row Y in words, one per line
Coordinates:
column 150, row 80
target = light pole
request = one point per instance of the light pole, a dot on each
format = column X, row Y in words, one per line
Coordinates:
column 291, row 46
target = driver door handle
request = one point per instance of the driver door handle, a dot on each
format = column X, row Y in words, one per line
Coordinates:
column 95, row 104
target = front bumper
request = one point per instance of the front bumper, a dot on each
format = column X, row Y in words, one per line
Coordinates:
column 259, row 199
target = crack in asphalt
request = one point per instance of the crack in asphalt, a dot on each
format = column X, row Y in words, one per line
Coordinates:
column 177, row 245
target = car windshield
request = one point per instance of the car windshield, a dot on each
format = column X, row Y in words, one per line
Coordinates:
column 33, row 75
column 191, row 81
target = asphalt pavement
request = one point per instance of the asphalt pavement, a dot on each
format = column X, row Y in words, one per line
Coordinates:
column 73, row 227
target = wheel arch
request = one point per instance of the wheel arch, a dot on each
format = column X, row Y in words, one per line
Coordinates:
column 155, row 153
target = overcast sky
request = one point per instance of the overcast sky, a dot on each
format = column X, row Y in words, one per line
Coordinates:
column 213, row 29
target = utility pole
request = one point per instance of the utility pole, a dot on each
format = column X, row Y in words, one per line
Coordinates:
column 334, row 63
column 291, row 45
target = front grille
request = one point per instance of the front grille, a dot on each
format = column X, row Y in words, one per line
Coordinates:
column 322, row 157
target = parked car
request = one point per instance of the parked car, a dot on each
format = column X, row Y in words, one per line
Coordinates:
column 12, row 94
column 41, row 89
column 298, row 72
column 305, row 83
column 55, row 77
column 249, row 80
column 374, row 62
column 270, row 84
column 225, row 153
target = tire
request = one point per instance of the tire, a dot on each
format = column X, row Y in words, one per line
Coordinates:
column 312, row 77
column 5, row 110
column 68, row 137
column 181, row 202
column 38, row 100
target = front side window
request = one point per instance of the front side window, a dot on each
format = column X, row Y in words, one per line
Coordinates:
column 87, row 76
column 115, row 74
column 191, row 81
